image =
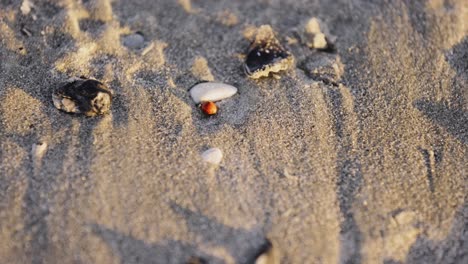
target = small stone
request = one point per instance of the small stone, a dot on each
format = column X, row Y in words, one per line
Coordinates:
column 317, row 35
column 320, row 41
column 211, row 91
column 26, row 7
column 83, row 96
column 313, row 26
column 209, row 108
column 213, row 156
column 266, row 55
column 134, row 41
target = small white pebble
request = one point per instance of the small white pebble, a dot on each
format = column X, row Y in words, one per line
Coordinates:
column 26, row 7
column 318, row 35
column 211, row 91
column 313, row 26
column 320, row 42
column 213, row 156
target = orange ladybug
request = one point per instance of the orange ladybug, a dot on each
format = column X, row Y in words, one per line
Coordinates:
column 209, row 108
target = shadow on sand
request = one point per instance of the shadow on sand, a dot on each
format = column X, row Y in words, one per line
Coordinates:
column 243, row 245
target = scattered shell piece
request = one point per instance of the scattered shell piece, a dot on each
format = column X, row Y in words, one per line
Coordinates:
column 38, row 151
column 211, row 91
column 317, row 36
column 134, row 41
column 266, row 55
column 213, row 156
column 26, row 31
column 209, row 108
column 26, row 7
column 89, row 97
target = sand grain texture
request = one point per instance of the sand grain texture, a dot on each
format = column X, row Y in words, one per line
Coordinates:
column 363, row 160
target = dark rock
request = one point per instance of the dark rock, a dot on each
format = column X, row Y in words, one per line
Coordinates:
column 83, row 96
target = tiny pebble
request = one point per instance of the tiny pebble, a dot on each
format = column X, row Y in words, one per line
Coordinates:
column 134, row 41
column 211, row 91
column 316, row 37
column 313, row 26
column 320, row 41
column 83, row 96
column 26, row 7
column 209, row 108
column 213, row 156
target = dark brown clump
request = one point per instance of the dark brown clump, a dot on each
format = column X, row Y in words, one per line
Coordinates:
column 83, row 96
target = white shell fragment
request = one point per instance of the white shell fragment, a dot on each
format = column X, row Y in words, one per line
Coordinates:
column 26, row 7
column 211, row 91
column 213, row 156
column 38, row 151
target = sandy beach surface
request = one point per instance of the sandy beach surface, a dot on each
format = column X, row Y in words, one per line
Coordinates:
column 354, row 155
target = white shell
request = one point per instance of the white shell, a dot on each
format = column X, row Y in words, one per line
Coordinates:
column 213, row 156
column 211, row 91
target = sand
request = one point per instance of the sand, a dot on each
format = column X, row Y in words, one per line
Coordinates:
column 355, row 156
